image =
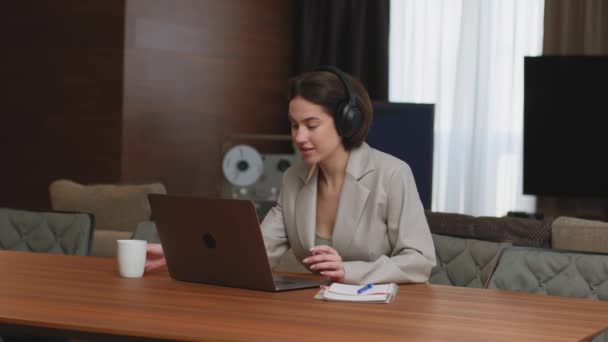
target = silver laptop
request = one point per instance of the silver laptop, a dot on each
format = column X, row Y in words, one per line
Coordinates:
column 217, row 241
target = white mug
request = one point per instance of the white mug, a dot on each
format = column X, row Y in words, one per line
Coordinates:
column 131, row 255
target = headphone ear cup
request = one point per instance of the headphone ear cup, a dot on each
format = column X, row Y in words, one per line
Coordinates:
column 341, row 118
column 356, row 119
column 348, row 116
column 350, row 121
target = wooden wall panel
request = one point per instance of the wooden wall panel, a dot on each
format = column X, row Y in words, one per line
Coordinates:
column 195, row 72
column 189, row 73
column 587, row 208
column 61, row 92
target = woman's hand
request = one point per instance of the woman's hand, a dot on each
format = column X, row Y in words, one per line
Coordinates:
column 327, row 261
column 155, row 257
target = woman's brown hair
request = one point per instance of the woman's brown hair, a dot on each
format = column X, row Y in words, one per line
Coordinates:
column 325, row 89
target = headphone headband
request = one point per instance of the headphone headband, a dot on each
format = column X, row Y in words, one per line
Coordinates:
column 348, row 117
column 350, row 91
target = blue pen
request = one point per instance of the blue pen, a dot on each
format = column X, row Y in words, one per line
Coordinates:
column 365, row 288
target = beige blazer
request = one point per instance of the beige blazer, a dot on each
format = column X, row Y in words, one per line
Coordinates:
column 380, row 231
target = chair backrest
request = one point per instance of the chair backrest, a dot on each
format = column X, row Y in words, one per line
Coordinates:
column 146, row 231
column 519, row 231
column 552, row 272
column 464, row 262
column 600, row 336
column 46, row 231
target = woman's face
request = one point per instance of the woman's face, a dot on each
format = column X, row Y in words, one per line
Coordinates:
column 313, row 130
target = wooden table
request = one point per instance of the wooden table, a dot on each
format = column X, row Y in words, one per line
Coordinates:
column 85, row 297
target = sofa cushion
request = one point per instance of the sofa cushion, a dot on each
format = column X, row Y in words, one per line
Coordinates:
column 553, row 272
column 49, row 232
column 519, row 231
column 464, row 262
column 580, row 235
column 116, row 207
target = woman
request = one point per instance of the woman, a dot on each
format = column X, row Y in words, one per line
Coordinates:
column 350, row 212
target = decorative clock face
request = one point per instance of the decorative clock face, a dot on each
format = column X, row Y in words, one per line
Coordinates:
column 242, row 165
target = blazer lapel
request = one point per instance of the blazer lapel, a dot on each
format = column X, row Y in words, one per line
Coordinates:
column 352, row 201
column 353, row 197
column 306, row 209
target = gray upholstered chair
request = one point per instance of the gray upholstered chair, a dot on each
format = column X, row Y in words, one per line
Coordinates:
column 46, row 231
column 600, row 336
column 552, row 272
column 464, row 262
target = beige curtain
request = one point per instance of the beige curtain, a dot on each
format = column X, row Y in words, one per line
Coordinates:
column 576, row 27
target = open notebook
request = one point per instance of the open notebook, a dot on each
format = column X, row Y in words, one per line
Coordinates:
column 379, row 293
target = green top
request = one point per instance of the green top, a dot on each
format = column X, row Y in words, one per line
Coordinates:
column 319, row 240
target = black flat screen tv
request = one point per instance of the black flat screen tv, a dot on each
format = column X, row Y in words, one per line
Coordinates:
column 566, row 126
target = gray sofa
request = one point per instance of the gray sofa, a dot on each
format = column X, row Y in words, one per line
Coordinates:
column 534, row 251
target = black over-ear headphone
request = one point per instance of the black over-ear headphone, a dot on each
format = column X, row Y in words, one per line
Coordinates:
column 348, row 115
